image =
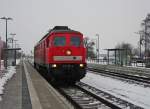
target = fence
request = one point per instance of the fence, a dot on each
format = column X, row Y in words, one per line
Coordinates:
column 134, row 62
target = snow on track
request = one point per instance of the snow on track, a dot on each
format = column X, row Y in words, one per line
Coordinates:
column 136, row 94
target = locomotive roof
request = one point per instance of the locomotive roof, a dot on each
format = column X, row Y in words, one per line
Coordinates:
column 59, row 29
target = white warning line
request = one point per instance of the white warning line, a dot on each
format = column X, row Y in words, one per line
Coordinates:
column 33, row 95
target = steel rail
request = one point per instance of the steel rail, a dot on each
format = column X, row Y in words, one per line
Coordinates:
column 110, row 99
column 79, row 106
column 109, row 104
column 74, row 103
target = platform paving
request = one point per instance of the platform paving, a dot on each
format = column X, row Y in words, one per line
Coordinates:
column 12, row 97
column 48, row 97
column 27, row 89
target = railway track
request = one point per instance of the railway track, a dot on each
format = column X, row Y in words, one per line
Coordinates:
column 83, row 96
column 124, row 69
column 138, row 78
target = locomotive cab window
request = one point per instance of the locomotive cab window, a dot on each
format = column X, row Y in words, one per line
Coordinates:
column 75, row 41
column 59, row 41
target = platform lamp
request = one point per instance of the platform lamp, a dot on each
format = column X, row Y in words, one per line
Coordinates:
column 97, row 47
column 6, row 19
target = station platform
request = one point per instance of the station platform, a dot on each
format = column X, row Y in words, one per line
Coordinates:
column 27, row 89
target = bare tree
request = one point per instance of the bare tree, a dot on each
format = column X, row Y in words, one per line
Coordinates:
column 125, row 53
column 89, row 48
column 126, row 46
column 146, row 34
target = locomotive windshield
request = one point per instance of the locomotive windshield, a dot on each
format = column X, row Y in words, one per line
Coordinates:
column 75, row 41
column 60, row 41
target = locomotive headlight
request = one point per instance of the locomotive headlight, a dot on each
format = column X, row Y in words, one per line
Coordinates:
column 81, row 65
column 54, row 65
column 68, row 52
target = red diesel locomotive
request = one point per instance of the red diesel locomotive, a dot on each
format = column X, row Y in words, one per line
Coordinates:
column 62, row 53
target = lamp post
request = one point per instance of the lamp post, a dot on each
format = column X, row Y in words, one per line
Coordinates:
column 94, row 40
column 15, row 50
column 97, row 46
column 6, row 19
column 12, row 34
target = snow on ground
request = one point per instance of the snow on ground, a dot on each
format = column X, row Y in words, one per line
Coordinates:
column 136, row 94
column 3, row 80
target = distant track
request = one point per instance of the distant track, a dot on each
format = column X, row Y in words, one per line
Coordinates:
column 122, row 75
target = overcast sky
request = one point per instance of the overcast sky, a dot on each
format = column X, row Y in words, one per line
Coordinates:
column 114, row 20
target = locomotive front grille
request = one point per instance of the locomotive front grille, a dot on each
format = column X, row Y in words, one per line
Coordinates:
column 67, row 66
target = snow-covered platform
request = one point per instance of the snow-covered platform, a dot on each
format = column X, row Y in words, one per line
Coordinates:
column 28, row 90
column 11, row 89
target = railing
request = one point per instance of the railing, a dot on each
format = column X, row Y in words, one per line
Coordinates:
column 133, row 62
column 100, row 61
